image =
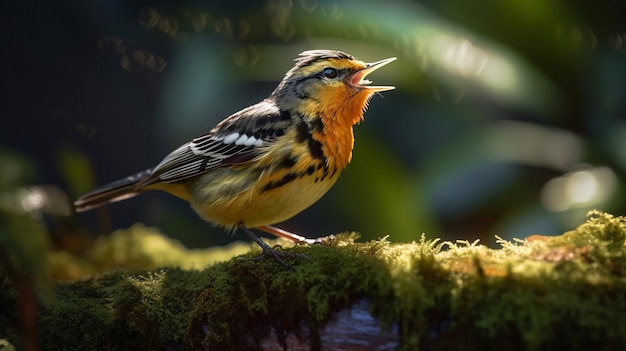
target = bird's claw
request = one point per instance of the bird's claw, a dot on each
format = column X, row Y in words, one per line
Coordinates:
column 279, row 256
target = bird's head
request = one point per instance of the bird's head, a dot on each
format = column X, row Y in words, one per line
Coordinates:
column 330, row 83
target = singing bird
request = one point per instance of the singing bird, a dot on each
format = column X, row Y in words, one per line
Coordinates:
column 270, row 161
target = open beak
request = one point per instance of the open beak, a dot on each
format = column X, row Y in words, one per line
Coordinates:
column 358, row 79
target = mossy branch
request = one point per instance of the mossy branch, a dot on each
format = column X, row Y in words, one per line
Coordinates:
column 567, row 292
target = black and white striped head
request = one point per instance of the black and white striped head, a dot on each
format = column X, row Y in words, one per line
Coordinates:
column 327, row 74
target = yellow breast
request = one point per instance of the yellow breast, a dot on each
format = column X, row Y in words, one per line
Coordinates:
column 232, row 196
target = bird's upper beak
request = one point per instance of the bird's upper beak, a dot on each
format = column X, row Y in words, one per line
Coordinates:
column 358, row 79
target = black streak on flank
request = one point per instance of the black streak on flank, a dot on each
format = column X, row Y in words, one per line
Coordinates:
column 277, row 184
column 315, row 147
column 316, row 125
column 302, row 132
column 292, row 176
column 288, row 162
column 310, row 170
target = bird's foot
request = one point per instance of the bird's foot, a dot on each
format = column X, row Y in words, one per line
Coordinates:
column 280, row 256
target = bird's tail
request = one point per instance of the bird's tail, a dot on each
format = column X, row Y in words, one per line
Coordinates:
column 116, row 191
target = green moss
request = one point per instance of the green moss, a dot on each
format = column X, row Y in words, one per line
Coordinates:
column 544, row 292
column 265, row 298
column 138, row 247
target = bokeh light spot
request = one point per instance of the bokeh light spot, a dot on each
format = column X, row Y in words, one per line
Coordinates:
column 583, row 188
column 201, row 21
column 149, row 17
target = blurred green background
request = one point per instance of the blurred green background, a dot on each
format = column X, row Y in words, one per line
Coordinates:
column 508, row 117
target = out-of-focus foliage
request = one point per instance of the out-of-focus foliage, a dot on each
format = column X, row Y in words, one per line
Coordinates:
column 139, row 248
column 23, row 236
column 508, row 117
column 24, row 244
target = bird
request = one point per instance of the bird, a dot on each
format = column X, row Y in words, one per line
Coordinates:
column 269, row 161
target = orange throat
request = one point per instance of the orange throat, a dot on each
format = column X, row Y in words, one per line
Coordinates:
column 338, row 119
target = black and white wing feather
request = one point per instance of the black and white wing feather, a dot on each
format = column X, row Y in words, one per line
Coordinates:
column 237, row 139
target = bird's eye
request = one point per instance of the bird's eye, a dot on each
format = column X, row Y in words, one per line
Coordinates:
column 330, row 72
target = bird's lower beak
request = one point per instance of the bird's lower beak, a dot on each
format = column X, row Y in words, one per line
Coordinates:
column 358, row 79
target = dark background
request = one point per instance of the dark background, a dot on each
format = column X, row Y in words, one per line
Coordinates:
column 508, row 117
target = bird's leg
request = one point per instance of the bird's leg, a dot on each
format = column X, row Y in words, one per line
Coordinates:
column 281, row 233
column 267, row 250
